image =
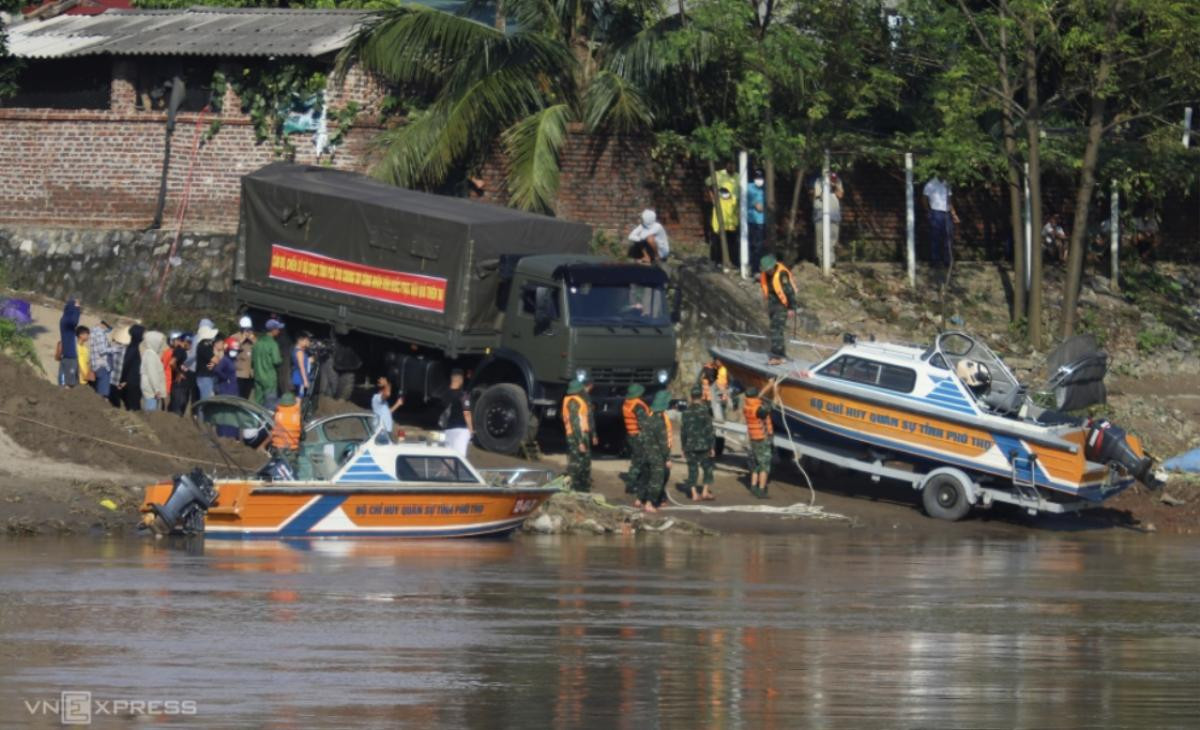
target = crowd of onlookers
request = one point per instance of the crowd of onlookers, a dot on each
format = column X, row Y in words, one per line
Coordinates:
column 149, row 370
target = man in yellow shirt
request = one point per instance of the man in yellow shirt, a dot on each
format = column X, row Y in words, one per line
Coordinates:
column 727, row 202
column 86, row 374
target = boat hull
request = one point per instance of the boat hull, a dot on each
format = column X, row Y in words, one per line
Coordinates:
column 821, row 411
column 260, row 510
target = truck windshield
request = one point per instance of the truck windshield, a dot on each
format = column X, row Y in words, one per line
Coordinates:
column 618, row 304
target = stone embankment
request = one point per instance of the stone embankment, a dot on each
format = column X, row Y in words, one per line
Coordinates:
column 115, row 270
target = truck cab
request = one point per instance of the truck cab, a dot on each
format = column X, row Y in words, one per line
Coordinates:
column 568, row 317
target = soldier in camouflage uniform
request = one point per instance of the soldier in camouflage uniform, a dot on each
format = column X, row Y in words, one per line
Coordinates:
column 699, row 442
column 632, row 411
column 779, row 289
column 577, row 427
column 657, row 451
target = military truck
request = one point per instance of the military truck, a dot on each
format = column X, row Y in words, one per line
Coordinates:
column 414, row 285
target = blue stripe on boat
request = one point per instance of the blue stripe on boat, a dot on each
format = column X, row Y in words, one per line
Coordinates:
column 313, row 514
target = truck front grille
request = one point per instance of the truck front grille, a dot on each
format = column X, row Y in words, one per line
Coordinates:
column 622, row 376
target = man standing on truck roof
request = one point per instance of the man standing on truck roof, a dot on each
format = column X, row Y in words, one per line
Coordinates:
column 265, row 363
column 577, row 426
column 761, row 433
column 779, row 289
column 699, row 442
column 633, row 409
column 456, row 419
column 656, row 442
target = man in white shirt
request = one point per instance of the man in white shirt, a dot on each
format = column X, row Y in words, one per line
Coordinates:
column 1054, row 238
column 652, row 231
column 942, row 218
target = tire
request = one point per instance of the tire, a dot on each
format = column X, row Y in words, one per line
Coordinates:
column 502, row 418
column 945, row 497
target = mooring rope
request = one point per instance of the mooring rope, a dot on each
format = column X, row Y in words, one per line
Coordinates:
column 111, row 443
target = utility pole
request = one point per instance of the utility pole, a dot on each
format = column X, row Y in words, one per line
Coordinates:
column 743, row 229
column 826, row 239
column 910, row 221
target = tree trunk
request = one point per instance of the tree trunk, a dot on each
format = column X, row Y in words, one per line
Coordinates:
column 1033, row 128
column 794, row 209
column 715, row 191
column 1087, row 179
column 1020, row 309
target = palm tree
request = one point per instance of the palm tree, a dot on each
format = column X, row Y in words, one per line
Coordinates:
column 555, row 65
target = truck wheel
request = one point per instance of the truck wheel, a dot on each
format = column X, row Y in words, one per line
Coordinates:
column 945, row 498
column 502, row 418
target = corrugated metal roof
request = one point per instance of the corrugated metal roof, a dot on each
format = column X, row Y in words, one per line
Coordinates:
column 199, row 31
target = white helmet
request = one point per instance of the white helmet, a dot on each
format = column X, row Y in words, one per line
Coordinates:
column 975, row 374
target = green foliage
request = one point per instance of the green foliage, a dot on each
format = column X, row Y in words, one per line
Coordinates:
column 17, row 343
column 1154, row 338
column 604, row 244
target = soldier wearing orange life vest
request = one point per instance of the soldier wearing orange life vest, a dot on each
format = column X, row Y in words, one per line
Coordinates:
column 633, row 408
column 577, row 424
column 761, row 433
column 779, row 289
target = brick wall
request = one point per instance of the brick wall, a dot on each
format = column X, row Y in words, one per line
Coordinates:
column 101, row 168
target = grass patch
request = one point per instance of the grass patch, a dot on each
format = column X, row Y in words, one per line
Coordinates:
column 16, row 342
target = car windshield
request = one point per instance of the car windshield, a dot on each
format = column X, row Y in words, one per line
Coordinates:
column 620, row 304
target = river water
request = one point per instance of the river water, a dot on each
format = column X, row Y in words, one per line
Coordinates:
column 853, row 630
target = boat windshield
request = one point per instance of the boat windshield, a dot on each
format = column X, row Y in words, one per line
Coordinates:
column 447, row 469
column 1003, row 392
column 618, row 304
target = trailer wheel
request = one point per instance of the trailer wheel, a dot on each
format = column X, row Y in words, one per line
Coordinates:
column 945, row 497
column 502, row 418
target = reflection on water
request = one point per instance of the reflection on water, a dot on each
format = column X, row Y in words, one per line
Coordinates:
column 855, row 631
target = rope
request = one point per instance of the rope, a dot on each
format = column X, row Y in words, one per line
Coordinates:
column 111, row 443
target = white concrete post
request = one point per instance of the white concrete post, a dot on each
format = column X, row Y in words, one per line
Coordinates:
column 910, row 220
column 743, row 229
column 826, row 239
column 1028, row 272
column 1187, row 127
column 1114, row 235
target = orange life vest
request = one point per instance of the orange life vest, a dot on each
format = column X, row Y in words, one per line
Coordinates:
column 775, row 283
column 566, row 413
column 629, row 410
column 758, row 428
column 286, row 434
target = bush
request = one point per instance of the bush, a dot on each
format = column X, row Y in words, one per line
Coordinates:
column 16, row 343
column 1154, row 338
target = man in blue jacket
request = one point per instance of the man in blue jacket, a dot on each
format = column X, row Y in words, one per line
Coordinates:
column 68, row 355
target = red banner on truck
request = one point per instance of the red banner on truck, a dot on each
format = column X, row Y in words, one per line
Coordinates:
column 344, row 277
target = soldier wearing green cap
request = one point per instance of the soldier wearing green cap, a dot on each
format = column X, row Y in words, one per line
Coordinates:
column 779, row 289
column 577, row 425
column 699, row 442
column 656, row 445
column 632, row 410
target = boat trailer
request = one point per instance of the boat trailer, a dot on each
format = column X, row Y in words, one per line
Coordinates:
column 933, row 484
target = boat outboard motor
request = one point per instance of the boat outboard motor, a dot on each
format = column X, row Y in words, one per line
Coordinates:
column 1106, row 444
column 191, row 497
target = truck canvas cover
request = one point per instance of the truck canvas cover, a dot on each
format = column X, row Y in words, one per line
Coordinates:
column 340, row 239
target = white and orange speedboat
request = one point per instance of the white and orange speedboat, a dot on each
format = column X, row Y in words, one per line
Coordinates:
column 349, row 480
column 954, row 414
